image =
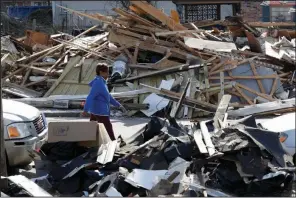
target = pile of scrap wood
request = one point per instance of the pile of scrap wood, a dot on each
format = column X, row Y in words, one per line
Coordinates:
column 152, row 52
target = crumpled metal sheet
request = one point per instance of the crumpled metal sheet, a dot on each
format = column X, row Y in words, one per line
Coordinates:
column 267, row 140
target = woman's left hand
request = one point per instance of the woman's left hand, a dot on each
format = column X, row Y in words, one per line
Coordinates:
column 123, row 109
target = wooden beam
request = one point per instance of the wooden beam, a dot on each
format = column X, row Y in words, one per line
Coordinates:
column 169, row 33
column 267, row 97
column 256, row 74
column 175, row 16
column 193, row 103
column 175, row 110
column 158, row 15
column 243, row 77
column 26, row 76
column 133, row 17
column 178, row 68
column 243, row 95
column 136, row 52
column 273, row 88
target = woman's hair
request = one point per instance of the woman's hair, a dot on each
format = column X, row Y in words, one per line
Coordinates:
column 101, row 67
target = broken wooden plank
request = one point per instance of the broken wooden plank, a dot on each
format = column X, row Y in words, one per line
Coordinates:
column 272, row 24
column 199, row 142
column 175, row 16
column 178, row 68
column 196, row 104
column 256, row 74
column 243, row 77
column 131, row 41
column 175, row 110
column 158, row 15
column 144, row 38
column 26, row 76
column 243, row 95
column 133, row 17
column 273, row 88
column 56, row 64
column 221, row 110
column 169, row 33
column 267, row 97
column 207, row 138
column 264, row 107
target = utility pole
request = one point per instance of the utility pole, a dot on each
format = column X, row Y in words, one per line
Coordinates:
column 3, row 165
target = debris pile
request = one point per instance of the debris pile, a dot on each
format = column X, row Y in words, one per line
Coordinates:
column 152, row 55
column 164, row 158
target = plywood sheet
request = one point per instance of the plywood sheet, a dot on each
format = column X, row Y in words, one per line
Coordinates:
column 70, row 84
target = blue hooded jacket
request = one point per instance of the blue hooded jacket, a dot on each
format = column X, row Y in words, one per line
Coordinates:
column 99, row 99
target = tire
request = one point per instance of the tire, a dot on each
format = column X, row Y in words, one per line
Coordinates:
column 11, row 170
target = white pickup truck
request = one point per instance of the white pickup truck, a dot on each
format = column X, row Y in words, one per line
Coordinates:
column 25, row 129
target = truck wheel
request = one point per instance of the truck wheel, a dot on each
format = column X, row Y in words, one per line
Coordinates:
column 11, row 170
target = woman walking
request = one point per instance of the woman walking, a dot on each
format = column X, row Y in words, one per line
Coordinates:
column 99, row 99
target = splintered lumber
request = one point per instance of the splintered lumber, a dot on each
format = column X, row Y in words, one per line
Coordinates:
column 56, row 64
column 13, row 73
column 178, row 68
column 158, row 15
column 242, row 94
column 175, row 16
column 136, row 10
column 199, row 142
column 144, row 37
column 177, row 107
column 256, row 74
column 267, row 97
column 273, row 88
column 85, row 49
column 133, row 17
column 272, row 24
column 243, row 77
column 43, row 71
column 144, row 45
column 48, row 51
column 168, row 33
column 136, row 52
column 264, row 107
column 196, row 104
column 207, row 138
column 221, row 110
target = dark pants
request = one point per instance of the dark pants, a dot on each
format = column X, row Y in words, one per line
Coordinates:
column 106, row 121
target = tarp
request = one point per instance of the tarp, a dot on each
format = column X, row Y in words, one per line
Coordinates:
column 22, row 12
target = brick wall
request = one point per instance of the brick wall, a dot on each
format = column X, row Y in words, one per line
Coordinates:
column 251, row 11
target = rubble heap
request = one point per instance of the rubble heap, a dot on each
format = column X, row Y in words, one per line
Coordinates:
column 164, row 158
column 151, row 52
